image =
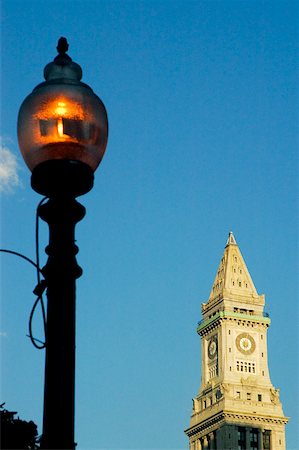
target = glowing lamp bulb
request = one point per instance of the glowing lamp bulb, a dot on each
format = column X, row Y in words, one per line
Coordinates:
column 60, row 127
column 61, row 109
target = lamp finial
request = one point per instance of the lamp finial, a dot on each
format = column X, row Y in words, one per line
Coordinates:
column 62, row 46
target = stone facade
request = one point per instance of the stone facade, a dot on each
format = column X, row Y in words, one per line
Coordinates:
column 237, row 407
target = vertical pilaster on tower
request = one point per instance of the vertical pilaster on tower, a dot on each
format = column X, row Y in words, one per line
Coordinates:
column 237, row 406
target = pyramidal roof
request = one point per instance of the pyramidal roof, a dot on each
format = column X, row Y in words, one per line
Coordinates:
column 232, row 275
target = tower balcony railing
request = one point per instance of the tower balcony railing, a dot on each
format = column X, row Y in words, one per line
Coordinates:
column 233, row 314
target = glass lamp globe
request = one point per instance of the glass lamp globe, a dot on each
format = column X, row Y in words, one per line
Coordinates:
column 62, row 119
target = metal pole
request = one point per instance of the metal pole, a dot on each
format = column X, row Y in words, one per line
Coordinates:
column 61, row 214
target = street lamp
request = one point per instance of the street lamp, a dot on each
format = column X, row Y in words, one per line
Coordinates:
column 62, row 132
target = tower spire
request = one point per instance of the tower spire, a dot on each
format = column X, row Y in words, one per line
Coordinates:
column 232, row 277
column 231, row 239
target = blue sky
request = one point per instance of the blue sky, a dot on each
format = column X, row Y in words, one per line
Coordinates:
column 202, row 102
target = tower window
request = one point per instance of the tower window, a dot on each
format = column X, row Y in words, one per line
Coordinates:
column 245, row 366
column 238, row 394
column 241, row 438
column 248, row 396
column 253, row 439
column 259, row 397
column 204, row 404
column 267, row 439
column 213, row 371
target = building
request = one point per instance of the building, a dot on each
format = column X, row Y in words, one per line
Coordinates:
column 237, row 407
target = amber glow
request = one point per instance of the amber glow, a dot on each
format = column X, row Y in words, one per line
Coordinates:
column 61, row 109
column 56, row 111
column 60, row 127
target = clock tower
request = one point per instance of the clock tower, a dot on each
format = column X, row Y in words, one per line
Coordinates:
column 237, row 407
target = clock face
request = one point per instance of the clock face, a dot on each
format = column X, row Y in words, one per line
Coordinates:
column 212, row 348
column 245, row 343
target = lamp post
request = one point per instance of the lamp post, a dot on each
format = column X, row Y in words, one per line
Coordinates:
column 62, row 132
